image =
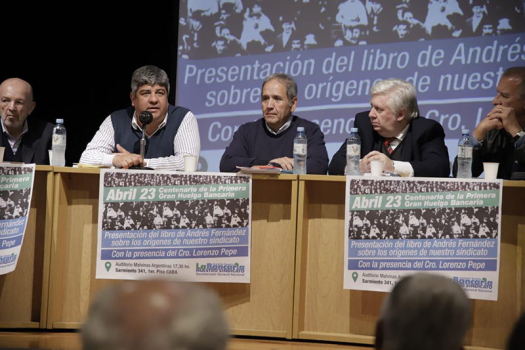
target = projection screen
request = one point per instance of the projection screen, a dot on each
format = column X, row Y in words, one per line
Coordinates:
column 452, row 51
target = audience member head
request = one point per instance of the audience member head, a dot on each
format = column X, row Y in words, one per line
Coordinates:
column 16, row 104
column 156, row 315
column 516, row 339
column 424, row 311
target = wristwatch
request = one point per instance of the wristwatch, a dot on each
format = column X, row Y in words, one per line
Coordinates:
column 518, row 136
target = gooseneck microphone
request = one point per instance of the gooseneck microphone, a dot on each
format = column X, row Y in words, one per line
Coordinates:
column 145, row 118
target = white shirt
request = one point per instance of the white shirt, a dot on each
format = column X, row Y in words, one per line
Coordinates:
column 187, row 142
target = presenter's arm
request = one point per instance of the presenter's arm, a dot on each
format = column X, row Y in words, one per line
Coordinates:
column 186, row 142
column 317, row 159
column 237, row 153
column 100, row 150
column 434, row 154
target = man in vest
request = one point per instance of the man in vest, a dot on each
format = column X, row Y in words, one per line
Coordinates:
column 172, row 133
column 23, row 140
column 394, row 133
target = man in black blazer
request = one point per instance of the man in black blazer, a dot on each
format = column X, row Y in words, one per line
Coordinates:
column 24, row 140
column 393, row 132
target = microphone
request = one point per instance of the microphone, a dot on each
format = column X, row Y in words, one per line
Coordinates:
column 145, row 118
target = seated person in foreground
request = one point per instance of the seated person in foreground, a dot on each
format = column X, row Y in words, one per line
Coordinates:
column 172, row 134
column 270, row 139
column 424, row 311
column 500, row 136
column 155, row 315
column 393, row 132
column 25, row 140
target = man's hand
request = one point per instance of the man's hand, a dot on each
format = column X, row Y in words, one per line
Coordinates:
column 498, row 118
column 125, row 159
column 507, row 116
column 364, row 164
column 285, row 162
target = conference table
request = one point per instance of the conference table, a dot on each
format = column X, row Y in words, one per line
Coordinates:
column 296, row 289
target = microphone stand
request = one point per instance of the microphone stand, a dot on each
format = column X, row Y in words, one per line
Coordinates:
column 143, row 144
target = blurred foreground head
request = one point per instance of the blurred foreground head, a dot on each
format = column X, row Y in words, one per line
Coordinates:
column 156, row 315
column 424, row 311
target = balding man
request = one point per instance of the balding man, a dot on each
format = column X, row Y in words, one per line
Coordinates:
column 24, row 140
column 499, row 137
column 424, row 311
column 155, row 315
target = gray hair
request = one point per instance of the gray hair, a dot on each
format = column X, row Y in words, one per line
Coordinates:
column 155, row 315
column 424, row 311
column 517, row 72
column 402, row 95
column 288, row 82
column 149, row 75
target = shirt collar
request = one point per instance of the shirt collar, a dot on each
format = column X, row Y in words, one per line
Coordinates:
column 282, row 128
column 24, row 130
column 403, row 133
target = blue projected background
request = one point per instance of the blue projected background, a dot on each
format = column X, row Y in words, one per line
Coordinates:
column 453, row 51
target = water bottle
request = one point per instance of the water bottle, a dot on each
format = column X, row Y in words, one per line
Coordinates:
column 465, row 156
column 300, row 146
column 59, row 144
column 353, row 153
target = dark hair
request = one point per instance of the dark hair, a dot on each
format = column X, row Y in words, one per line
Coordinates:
column 287, row 81
column 518, row 72
column 149, row 75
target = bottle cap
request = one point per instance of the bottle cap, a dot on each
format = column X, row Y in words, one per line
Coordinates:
column 353, row 130
column 300, row 128
column 465, row 131
column 60, row 121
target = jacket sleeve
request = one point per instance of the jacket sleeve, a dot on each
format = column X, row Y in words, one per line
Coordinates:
column 434, row 154
column 338, row 162
column 237, row 153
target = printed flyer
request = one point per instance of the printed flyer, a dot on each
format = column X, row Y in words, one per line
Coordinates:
column 16, row 188
column 395, row 227
column 190, row 226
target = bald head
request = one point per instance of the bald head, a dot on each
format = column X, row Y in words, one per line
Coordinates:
column 19, row 84
column 16, row 104
column 424, row 311
column 159, row 315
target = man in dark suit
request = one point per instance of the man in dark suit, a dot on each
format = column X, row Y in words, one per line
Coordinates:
column 393, row 132
column 24, row 140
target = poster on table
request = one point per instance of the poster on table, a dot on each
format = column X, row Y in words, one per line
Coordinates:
column 16, row 188
column 190, row 226
column 394, row 227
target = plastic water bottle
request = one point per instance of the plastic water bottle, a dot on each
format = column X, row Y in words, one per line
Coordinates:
column 465, row 156
column 300, row 145
column 353, row 153
column 59, row 144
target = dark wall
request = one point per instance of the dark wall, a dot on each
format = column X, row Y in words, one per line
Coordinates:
column 79, row 61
